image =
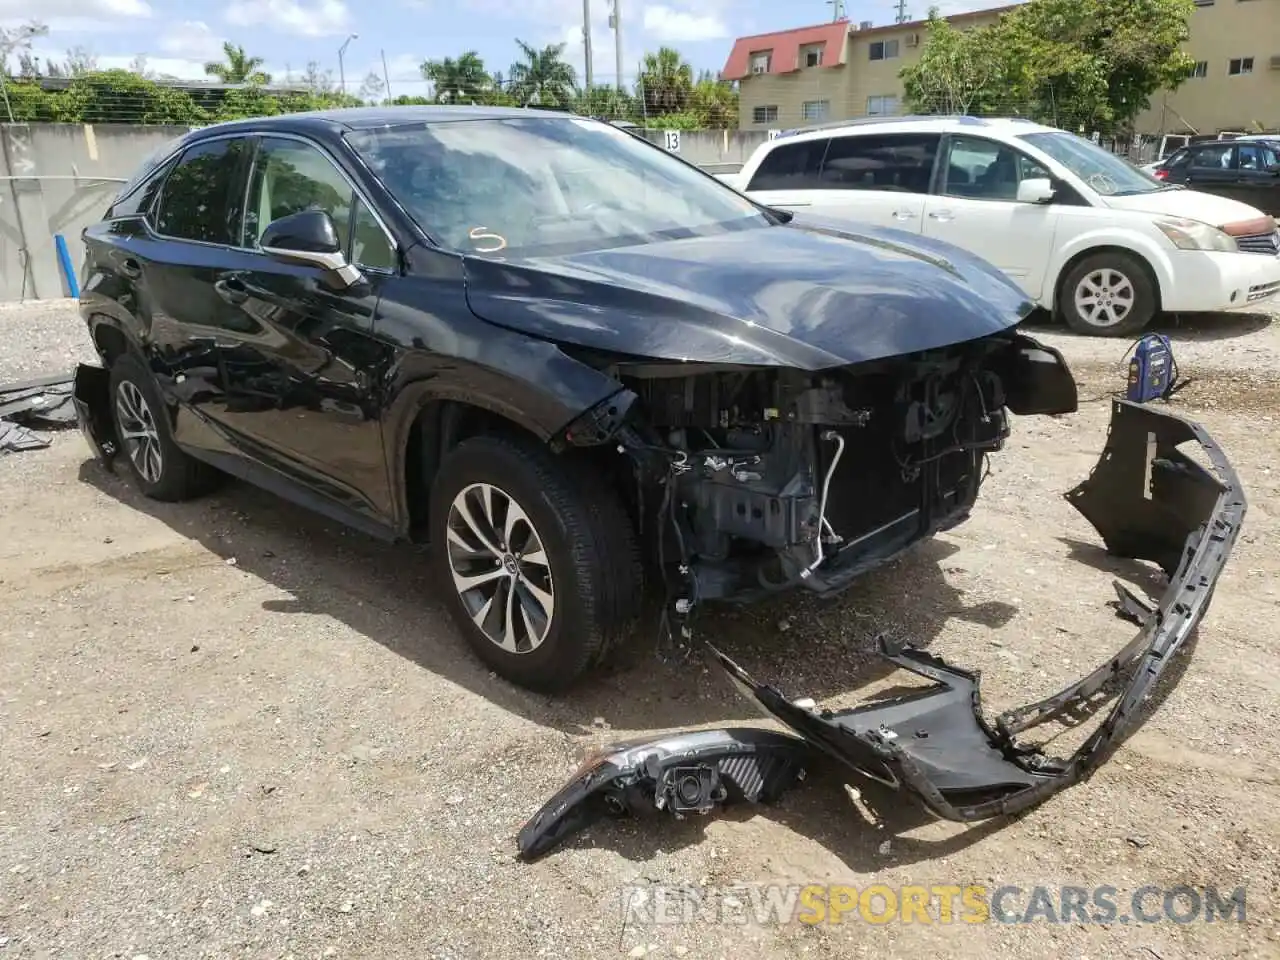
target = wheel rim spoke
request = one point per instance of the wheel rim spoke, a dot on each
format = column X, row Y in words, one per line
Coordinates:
column 500, row 568
column 138, row 433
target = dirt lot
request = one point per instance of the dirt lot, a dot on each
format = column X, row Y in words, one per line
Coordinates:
column 230, row 729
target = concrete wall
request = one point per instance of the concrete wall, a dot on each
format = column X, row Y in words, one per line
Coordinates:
column 59, row 178
column 713, row 149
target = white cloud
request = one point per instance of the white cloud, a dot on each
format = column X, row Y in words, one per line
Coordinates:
column 75, row 16
column 48, row 10
column 191, row 40
column 681, row 26
column 299, row 17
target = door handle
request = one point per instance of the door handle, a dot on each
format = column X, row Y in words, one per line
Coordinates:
column 941, row 215
column 232, row 291
column 904, row 215
column 131, row 268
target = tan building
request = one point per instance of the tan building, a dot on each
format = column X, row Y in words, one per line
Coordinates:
column 1236, row 87
column 841, row 70
column 831, row 71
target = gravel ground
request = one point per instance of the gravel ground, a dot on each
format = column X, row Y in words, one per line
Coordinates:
column 230, row 729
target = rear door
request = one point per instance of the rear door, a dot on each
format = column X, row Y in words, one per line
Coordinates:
column 190, row 237
column 876, row 178
column 976, row 207
column 1211, row 169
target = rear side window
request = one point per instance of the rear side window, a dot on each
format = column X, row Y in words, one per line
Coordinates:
column 901, row 162
column 1212, row 158
column 139, row 199
column 202, row 199
column 1178, row 160
column 791, row 166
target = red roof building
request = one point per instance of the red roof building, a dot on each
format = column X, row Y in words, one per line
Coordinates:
column 787, row 51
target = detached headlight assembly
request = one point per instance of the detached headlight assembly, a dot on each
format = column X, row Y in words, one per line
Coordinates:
column 1196, row 235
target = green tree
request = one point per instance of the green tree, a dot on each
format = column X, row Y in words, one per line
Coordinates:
column 959, row 71
column 666, row 82
column 118, row 96
column 1095, row 63
column 542, row 77
column 1076, row 64
column 238, row 67
column 715, row 101
column 458, row 81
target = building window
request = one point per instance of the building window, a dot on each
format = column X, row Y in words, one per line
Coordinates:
column 761, row 62
column 882, row 106
column 811, row 56
column 814, row 110
column 764, row 114
column 1240, row 67
column 884, row 50
column 1201, row 69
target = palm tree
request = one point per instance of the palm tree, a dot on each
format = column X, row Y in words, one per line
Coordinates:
column 543, row 78
column 666, row 82
column 458, row 81
column 238, row 67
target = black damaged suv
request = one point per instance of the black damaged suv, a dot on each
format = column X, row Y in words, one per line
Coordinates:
column 566, row 358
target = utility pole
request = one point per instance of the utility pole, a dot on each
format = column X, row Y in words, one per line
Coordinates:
column 342, row 73
column 837, row 12
column 902, row 16
column 586, row 41
column 386, row 78
column 615, row 21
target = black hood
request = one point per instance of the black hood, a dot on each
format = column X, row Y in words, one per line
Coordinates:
column 809, row 294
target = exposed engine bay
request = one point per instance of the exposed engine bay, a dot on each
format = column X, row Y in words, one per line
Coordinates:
column 755, row 480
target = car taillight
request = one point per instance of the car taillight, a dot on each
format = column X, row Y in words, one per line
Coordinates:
column 1160, row 173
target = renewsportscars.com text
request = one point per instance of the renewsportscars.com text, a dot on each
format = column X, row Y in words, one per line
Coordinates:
column 816, row 904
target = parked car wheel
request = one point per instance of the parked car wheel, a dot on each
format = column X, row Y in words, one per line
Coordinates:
column 145, row 437
column 1108, row 295
column 541, row 566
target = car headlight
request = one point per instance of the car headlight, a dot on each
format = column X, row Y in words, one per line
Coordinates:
column 1196, row 235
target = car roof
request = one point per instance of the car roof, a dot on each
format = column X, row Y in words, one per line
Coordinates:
column 1009, row 126
column 367, row 118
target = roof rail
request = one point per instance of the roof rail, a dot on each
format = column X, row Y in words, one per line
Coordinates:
column 863, row 121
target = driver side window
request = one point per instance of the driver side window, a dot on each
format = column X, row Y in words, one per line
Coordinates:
column 981, row 169
column 290, row 177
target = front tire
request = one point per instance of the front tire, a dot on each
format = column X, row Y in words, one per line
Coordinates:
column 144, row 436
column 540, row 566
column 1108, row 295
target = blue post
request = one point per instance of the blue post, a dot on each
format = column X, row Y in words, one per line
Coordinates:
column 64, row 258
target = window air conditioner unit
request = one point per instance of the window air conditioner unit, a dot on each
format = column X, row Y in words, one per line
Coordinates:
column 1275, row 62
column 864, row 25
column 913, row 40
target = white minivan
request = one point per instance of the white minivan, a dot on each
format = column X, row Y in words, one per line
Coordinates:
column 1084, row 232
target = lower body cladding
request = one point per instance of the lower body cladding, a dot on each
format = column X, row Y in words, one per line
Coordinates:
column 1145, row 498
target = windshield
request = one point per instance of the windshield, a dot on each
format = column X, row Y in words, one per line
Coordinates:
column 543, row 185
column 1107, row 174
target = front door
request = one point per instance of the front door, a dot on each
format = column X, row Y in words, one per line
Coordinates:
column 1258, row 176
column 976, row 208
column 310, row 387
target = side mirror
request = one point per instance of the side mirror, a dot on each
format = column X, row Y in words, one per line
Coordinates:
column 1038, row 190
column 310, row 237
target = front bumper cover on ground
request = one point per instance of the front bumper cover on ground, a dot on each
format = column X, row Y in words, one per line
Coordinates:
column 1148, row 500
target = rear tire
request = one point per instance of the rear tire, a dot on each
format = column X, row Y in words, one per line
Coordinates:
column 1108, row 295
column 144, row 436
column 539, row 565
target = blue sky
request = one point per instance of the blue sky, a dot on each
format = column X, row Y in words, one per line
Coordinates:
column 178, row 36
